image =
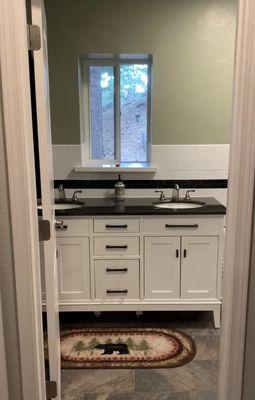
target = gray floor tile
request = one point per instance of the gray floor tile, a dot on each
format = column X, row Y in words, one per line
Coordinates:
column 162, row 396
column 194, row 376
column 147, row 380
column 203, row 395
column 194, row 332
column 207, row 348
column 194, row 381
column 76, row 382
column 150, row 396
column 121, row 396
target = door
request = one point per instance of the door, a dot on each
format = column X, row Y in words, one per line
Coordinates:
column 199, row 267
column 73, row 267
column 46, row 175
column 162, row 267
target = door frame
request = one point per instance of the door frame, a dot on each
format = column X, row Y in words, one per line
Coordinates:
column 241, row 200
column 17, row 117
column 18, row 125
column 4, row 393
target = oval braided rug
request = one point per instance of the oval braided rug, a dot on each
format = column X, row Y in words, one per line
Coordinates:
column 126, row 348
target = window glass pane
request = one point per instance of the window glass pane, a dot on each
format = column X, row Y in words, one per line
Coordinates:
column 133, row 100
column 101, row 98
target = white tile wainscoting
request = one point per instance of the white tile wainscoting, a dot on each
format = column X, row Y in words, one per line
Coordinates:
column 173, row 162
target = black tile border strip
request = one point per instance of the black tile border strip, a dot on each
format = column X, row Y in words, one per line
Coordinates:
column 144, row 184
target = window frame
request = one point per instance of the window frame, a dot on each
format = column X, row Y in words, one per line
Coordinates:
column 115, row 62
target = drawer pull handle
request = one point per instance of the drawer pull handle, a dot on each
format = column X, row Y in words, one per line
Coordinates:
column 177, row 253
column 109, row 246
column 184, row 253
column 59, row 226
column 181, row 226
column 116, row 270
column 124, row 291
column 108, row 226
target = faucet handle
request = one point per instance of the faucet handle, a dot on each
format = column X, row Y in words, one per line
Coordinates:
column 162, row 195
column 75, row 197
column 62, row 193
column 187, row 195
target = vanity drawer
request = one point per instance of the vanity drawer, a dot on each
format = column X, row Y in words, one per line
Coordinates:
column 116, row 245
column 72, row 227
column 117, row 225
column 186, row 225
column 117, row 279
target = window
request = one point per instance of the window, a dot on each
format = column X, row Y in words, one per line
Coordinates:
column 116, row 105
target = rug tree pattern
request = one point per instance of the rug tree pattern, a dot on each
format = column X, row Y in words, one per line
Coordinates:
column 125, row 348
column 121, row 346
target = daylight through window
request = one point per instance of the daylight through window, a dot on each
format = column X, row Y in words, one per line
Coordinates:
column 117, row 109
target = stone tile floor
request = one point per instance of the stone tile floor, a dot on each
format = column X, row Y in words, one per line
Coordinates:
column 194, row 381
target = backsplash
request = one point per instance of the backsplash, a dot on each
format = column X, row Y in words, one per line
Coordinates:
column 203, row 167
column 181, row 162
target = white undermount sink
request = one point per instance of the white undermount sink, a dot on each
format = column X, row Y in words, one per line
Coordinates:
column 179, row 205
column 64, row 206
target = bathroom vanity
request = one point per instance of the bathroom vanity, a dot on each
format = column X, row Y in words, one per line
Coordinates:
column 132, row 256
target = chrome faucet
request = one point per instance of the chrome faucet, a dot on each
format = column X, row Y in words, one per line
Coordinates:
column 75, row 197
column 61, row 193
column 176, row 193
column 162, row 195
column 187, row 195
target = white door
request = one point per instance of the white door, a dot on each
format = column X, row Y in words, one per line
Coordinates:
column 46, row 169
column 73, row 267
column 199, row 267
column 162, row 267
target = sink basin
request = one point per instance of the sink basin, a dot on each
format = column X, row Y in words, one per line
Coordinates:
column 64, row 206
column 179, row 205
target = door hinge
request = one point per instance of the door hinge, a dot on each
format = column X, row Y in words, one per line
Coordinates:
column 44, row 230
column 51, row 389
column 34, row 37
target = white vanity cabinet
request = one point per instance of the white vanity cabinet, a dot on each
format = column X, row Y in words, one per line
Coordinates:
column 73, row 258
column 73, row 268
column 199, row 267
column 141, row 263
column 162, row 267
column 181, row 267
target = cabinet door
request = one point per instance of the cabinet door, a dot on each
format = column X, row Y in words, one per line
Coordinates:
column 162, row 267
column 73, row 264
column 199, row 267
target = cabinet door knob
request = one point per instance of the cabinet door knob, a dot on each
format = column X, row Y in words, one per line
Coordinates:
column 177, row 253
column 184, row 253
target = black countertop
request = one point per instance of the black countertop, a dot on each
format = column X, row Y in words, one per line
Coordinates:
column 140, row 206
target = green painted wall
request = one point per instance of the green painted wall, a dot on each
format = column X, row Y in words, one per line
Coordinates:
column 192, row 42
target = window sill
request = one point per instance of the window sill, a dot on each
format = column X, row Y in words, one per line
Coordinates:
column 124, row 167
